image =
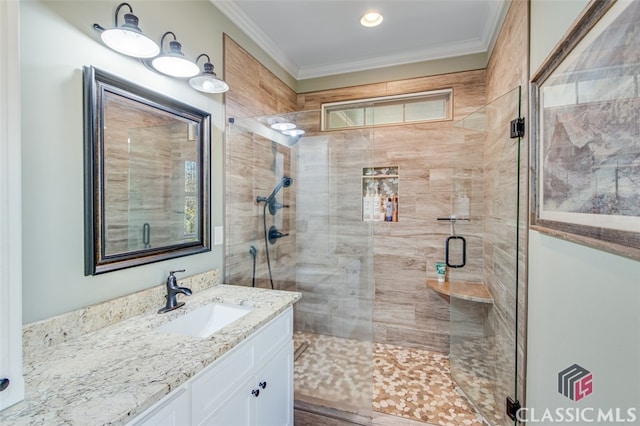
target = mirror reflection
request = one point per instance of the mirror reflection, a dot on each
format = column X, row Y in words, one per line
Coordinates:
column 150, row 176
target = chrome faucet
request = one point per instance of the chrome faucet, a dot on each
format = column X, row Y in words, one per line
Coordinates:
column 172, row 292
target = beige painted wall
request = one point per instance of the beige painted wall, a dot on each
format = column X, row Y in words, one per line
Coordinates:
column 57, row 40
column 391, row 73
column 584, row 304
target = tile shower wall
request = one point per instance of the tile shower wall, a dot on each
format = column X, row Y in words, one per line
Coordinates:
column 406, row 312
column 334, row 256
column 250, row 171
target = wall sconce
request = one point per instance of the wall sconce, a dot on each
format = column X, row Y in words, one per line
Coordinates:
column 128, row 39
column 173, row 62
column 208, row 81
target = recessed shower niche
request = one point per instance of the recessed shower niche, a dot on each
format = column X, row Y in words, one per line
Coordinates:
column 380, row 194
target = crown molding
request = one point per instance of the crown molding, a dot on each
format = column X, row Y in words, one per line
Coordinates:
column 238, row 17
column 467, row 47
column 440, row 52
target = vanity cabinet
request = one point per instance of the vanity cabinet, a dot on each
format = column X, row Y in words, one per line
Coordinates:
column 251, row 384
column 265, row 399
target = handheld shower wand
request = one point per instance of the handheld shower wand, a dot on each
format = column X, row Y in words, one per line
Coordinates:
column 285, row 182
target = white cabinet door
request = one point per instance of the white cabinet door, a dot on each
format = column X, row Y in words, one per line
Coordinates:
column 214, row 385
column 237, row 410
column 173, row 410
column 11, row 379
column 274, row 405
column 266, row 399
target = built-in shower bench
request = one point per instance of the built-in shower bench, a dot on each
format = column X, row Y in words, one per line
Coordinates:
column 474, row 292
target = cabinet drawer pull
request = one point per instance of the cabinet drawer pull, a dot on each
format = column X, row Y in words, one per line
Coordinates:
column 263, row 385
column 4, row 383
column 255, row 392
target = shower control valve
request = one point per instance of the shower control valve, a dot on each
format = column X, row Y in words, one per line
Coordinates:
column 274, row 234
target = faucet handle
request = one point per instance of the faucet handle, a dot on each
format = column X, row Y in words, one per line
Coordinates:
column 172, row 281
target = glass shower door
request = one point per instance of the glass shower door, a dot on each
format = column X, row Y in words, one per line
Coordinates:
column 334, row 272
column 327, row 254
column 485, row 239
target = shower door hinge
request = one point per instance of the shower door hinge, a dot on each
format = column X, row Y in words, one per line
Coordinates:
column 517, row 128
column 512, row 408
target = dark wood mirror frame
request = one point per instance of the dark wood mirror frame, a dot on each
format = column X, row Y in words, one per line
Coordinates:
column 98, row 85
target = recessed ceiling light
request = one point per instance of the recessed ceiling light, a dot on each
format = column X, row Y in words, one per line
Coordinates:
column 371, row 19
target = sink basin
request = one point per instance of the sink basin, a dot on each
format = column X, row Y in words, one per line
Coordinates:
column 205, row 321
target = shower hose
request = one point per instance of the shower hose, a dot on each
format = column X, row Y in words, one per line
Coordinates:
column 266, row 242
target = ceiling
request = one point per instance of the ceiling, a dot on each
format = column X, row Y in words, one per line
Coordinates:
column 317, row 38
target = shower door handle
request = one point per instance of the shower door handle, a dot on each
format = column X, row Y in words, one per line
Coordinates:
column 464, row 252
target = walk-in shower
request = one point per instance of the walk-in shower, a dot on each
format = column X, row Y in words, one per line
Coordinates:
column 350, row 363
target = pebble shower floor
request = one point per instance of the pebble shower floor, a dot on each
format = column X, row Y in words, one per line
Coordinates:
column 404, row 382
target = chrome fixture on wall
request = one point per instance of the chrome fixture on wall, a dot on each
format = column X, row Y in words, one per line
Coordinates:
column 129, row 40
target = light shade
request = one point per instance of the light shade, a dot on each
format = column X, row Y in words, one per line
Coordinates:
column 293, row 132
column 128, row 39
column 371, row 19
column 173, row 62
column 282, row 126
column 208, row 81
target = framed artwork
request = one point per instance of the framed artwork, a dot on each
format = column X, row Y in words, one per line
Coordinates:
column 586, row 132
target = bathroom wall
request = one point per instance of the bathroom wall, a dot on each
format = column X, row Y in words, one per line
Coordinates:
column 584, row 304
column 406, row 312
column 252, row 167
column 57, row 40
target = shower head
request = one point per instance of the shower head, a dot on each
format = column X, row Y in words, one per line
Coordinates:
column 284, row 183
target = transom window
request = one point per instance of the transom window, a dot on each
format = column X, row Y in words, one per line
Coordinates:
column 400, row 109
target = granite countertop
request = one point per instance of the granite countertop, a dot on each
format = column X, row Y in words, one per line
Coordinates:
column 111, row 375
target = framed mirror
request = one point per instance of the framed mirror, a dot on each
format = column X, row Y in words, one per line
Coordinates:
column 147, row 173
